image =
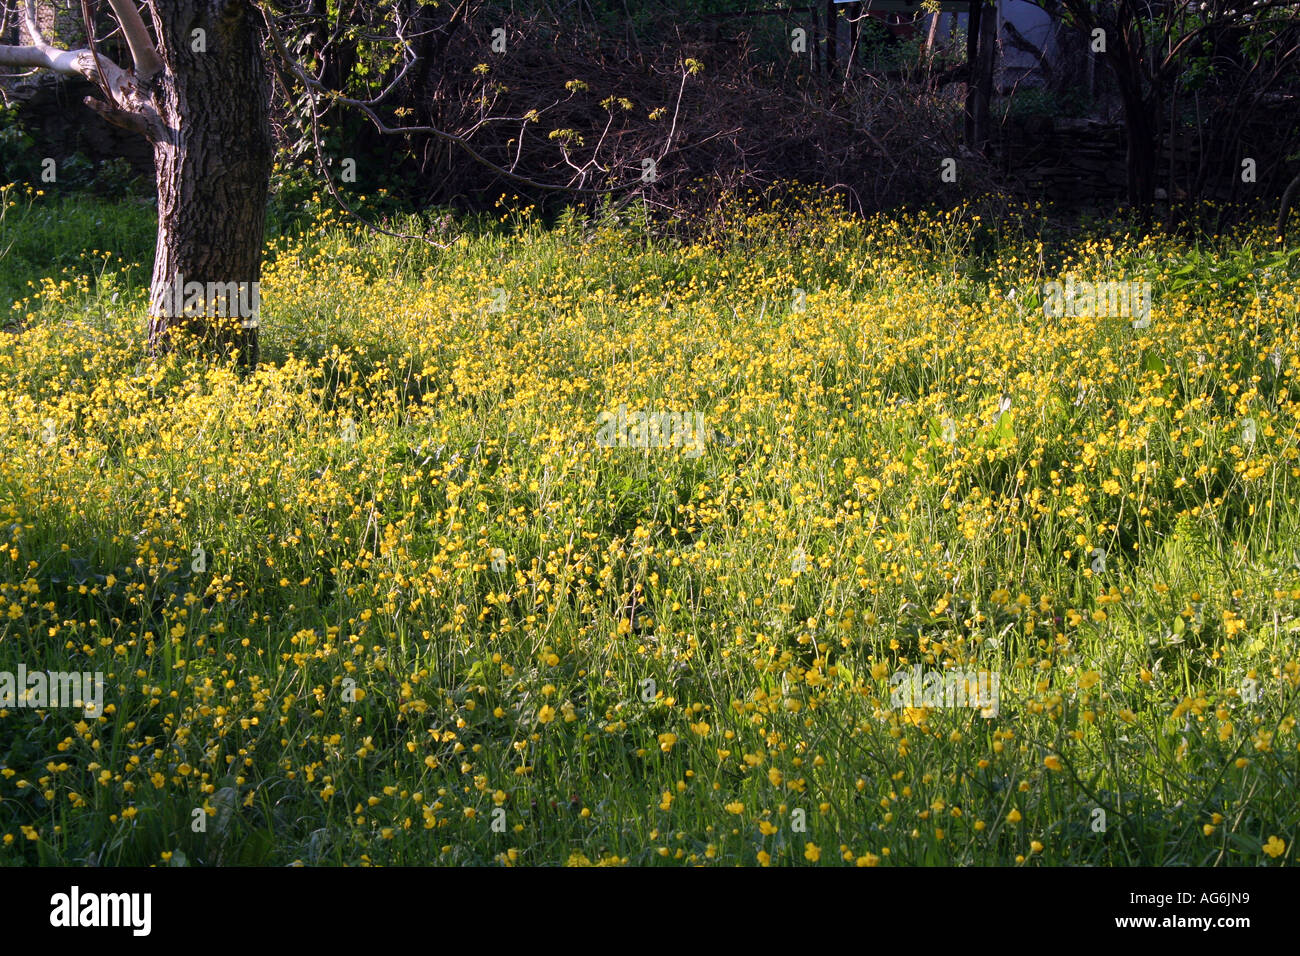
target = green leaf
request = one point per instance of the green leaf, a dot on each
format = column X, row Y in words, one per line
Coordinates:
column 1153, row 363
column 1002, row 432
column 257, row 849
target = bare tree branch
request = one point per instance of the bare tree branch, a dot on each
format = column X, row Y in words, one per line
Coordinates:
column 43, row 55
column 88, row 18
column 125, row 104
column 316, row 88
column 329, row 180
column 143, row 53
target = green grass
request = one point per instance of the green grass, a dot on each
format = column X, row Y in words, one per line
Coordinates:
column 288, row 578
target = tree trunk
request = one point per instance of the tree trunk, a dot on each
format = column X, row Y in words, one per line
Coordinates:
column 832, row 28
column 202, row 99
column 1140, row 159
column 1125, row 54
column 213, row 154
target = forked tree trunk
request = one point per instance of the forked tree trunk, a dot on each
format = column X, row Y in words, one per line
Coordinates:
column 213, row 156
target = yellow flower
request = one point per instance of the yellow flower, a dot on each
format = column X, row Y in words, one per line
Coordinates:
column 1275, row 847
column 1013, row 816
column 1052, row 762
column 546, row 714
column 812, row 852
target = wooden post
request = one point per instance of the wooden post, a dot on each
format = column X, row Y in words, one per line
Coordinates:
column 984, row 74
column 816, row 40
column 832, row 28
column 972, row 50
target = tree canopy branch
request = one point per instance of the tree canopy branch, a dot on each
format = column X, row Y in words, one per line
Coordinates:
column 143, row 53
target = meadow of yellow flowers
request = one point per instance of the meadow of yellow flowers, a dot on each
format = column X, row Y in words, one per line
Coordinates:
column 389, row 600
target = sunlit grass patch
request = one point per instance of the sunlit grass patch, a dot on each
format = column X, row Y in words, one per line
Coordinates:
column 393, row 599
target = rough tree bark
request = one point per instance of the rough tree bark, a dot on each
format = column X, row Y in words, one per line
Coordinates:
column 213, row 154
column 199, row 91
